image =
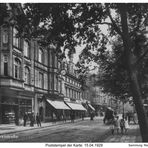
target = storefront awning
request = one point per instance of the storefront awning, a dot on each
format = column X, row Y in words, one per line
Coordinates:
column 75, row 106
column 91, row 107
column 58, row 104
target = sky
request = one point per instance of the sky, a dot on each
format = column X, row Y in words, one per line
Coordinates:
column 80, row 48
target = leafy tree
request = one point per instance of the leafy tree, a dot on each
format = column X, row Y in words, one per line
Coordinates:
column 127, row 23
column 3, row 12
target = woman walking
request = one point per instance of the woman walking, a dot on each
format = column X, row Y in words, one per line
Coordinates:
column 122, row 125
column 126, row 125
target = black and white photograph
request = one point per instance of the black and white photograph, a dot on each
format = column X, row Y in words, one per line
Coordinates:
column 74, row 72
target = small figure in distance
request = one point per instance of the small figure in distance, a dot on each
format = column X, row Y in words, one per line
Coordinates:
column 38, row 120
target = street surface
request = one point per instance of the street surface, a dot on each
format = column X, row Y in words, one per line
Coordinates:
column 81, row 131
column 133, row 135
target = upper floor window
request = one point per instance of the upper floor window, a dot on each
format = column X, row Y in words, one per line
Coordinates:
column 5, row 37
column 27, row 75
column 41, row 55
column 15, row 38
column 59, row 65
column 41, row 80
column 5, row 65
column 26, row 48
column 17, row 69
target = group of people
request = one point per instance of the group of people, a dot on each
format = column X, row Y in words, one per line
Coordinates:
column 32, row 118
column 119, row 125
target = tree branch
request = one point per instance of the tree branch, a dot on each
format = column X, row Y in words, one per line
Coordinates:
column 117, row 29
column 141, row 57
column 136, row 28
column 105, row 23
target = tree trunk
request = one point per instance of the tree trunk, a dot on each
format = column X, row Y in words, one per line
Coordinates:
column 143, row 123
column 133, row 72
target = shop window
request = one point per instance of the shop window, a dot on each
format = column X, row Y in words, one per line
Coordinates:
column 27, row 75
column 26, row 48
column 17, row 69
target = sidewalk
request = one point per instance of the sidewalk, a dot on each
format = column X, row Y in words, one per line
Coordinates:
column 133, row 135
column 12, row 128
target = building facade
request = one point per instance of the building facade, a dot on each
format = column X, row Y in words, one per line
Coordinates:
column 16, row 74
column 31, row 80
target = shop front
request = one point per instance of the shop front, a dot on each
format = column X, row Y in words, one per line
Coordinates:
column 13, row 105
column 77, row 109
column 56, row 110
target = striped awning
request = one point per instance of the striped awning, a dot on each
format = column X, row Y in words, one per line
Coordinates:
column 75, row 106
column 58, row 104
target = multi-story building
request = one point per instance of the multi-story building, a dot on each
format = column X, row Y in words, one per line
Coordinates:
column 31, row 79
column 73, row 92
column 16, row 74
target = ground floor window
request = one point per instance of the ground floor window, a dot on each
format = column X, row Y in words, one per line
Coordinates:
column 25, row 106
column 9, row 113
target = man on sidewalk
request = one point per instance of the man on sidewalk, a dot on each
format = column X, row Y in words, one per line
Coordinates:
column 25, row 118
column 38, row 120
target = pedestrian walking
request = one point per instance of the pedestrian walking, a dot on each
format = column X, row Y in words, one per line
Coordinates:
column 38, row 120
column 122, row 125
column 91, row 116
column 32, row 119
column 126, row 125
column 82, row 115
column 25, row 118
column 112, row 126
column 117, row 124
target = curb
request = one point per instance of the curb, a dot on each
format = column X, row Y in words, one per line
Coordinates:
column 58, row 123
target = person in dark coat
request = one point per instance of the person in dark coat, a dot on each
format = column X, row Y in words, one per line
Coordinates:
column 32, row 119
column 38, row 120
column 25, row 119
column 91, row 116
